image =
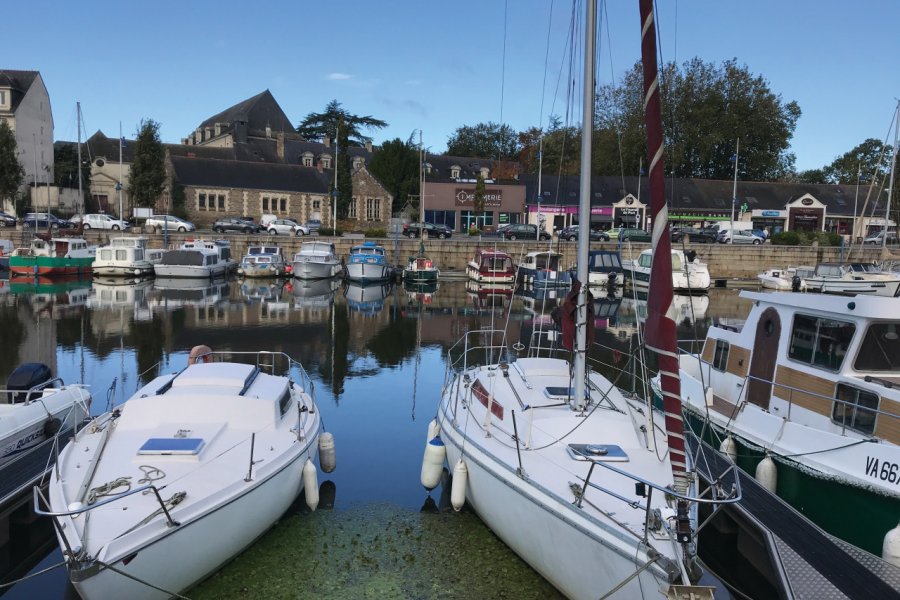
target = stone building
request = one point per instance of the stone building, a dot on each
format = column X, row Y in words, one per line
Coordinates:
column 108, row 175
column 25, row 106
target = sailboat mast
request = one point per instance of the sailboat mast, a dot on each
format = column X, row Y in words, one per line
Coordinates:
column 584, row 204
column 539, row 191
column 421, row 179
column 121, row 178
column 660, row 328
column 887, row 210
column 80, row 204
column 737, row 152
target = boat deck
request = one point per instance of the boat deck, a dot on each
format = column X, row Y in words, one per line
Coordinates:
column 813, row 563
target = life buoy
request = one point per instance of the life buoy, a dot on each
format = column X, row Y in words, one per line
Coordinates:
column 200, row 354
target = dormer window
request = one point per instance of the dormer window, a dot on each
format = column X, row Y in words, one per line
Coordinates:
column 326, row 162
column 2, row 97
column 306, row 159
column 485, row 172
column 357, row 162
column 218, row 129
column 454, row 172
column 428, row 168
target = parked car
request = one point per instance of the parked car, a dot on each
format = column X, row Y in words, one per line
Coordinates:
column 313, row 225
column 235, row 224
column 103, row 221
column 7, row 220
column 414, row 230
column 876, row 239
column 286, row 227
column 523, row 231
column 740, row 237
column 158, row 223
column 694, row 235
column 631, row 234
column 571, row 233
column 44, row 220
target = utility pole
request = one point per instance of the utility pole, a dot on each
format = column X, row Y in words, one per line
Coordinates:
column 737, row 152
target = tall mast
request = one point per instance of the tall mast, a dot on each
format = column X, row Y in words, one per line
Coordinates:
column 80, row 204
column 334, row 194
column 121, row 179
column 584, row 204
column 539, row 194
column 737, row 152
column 660, row 328
column 421, row 179
column 887, row 209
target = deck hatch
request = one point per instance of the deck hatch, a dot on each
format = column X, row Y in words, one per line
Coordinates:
column 186, row 446
column 597, row 452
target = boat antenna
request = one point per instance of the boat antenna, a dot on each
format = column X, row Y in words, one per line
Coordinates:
column 584, row 206
column 659, row 331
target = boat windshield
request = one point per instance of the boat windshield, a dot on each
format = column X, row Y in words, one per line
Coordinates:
column 880, row 348
column 544, row 261
column 496, row 263
column 820, row 341
column 605, row 261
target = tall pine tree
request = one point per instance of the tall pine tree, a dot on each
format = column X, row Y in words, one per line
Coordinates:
column 147, row 178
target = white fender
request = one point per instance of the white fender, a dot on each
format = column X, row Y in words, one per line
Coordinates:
column 433, row 462
column 767, row 474
column 890, row 550
column 327, row 457
column 458, row 487
column 311, row 485
column 729, row 448
column 434, row 430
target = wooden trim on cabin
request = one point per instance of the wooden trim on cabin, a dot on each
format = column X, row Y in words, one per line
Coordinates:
column 738, row 361
column 709, row 350
column 888, row 428
column 786, row 376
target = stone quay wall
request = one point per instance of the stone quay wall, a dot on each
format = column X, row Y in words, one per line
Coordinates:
column 451, row 255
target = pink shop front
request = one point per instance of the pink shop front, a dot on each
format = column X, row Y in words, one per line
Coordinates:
column 556, row 217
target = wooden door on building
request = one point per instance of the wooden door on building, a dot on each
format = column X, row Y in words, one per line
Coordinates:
column 764, row 358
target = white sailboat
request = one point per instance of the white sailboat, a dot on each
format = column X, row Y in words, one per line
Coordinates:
column 579, row 480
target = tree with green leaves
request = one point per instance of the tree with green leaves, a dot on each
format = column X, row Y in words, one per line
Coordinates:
column 484, row 140
column 561, row 148
column 344, row 177
column 65, row 169
column 147, row 178
column 478, row 199
column 396, row 165
column 706, row 108
column 179, row 200
column 869, row 159
column 317, row 126
column 11, row 172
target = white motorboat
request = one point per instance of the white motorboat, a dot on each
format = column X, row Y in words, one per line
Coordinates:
column 582, row 482
column 198, row 259
column 126, row 257
column 605, row 269
column 36, row 411
column 368, row 264
column 157, row 494
column 689, row 275
column 811, row 382
column 263, row 261
column 491, row 266
column 541, row 269
column 853, row 278
column 316, row 260
column 784, row 280
column 6, row 248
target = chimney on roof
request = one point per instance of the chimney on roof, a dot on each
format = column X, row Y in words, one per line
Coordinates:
column 368, row 145
column 327, row 141
column 279, row 146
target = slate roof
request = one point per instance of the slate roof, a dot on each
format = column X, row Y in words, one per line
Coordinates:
column 257, row 112
column 698, row 194
column 100, row 145
column 250, row 175
column 470, row 168
column 19, row 81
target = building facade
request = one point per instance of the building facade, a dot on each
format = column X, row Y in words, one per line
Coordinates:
column 25, row 106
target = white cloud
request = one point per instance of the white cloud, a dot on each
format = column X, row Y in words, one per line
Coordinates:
column 338, row 76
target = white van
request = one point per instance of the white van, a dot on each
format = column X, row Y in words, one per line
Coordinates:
column 101, row 221
column 264, row 220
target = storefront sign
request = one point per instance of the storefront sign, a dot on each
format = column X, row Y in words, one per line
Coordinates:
column 807, row 202
column 552, row 209
column 467, row 197
column 771, row 213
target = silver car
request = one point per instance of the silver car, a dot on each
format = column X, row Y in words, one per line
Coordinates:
column 158, row 223
column 740, row 237
column 286, row 227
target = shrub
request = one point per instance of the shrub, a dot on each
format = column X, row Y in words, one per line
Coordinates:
column 328, row 231
column 829, row 239
column 376, row 233
column 474, row 231
column 786, row 238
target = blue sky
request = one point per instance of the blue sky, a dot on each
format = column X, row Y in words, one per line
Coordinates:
column 434, row 65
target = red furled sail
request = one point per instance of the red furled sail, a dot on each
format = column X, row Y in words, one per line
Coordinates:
column 660, row 328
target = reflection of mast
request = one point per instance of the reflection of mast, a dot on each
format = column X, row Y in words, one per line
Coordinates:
column 418, row 355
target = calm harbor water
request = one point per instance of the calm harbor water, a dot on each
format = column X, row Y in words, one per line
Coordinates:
column 376, row 355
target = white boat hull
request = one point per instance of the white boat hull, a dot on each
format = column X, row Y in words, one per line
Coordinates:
column 364, row 272
column 889, row 288
column 218, row 536
column 123, row 270
column 259, row 271
column 190, row 271
column 309, row 269
column 576, row 554
column 23, row 425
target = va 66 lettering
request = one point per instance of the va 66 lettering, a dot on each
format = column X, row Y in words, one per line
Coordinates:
column 884, row 470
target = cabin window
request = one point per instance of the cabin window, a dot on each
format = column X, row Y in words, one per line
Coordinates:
column 284, row 403
column 106, row 255
column 855, row 408
column 720, row 358
column 121, row 255
column 676, row 262
column 138, row 255
column 820, row 341
column 880, row 349
column 645, row 260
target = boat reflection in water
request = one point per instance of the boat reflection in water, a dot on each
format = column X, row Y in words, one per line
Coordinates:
column 261, row 290
column 489, row 297
column 685, row 310
column 366, row 299
column 63, row 294
column 116, row 293
column 313, row 293
column 421, row 292
column 174, row 292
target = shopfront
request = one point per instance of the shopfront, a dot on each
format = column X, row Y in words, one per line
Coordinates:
column 806, row 214
column 629, row 212
column 453, row 204
column 557, row 217
column 773, row 220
